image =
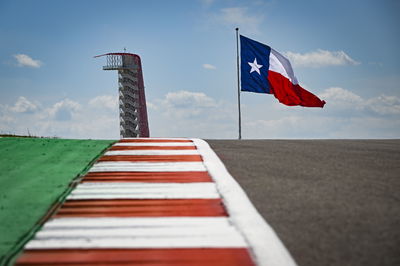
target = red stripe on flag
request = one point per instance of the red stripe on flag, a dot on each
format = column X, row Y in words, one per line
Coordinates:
column 290, row 94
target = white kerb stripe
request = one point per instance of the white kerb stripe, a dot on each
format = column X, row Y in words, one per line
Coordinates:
column 181, row 144
column 155, row 195
column 144, row 185
column 157, row 232
column 147, row 167
column 152, row 152
column 144, row 191
column 265, row 245
column 130, row 222
column 136, row 232
column 226, row 241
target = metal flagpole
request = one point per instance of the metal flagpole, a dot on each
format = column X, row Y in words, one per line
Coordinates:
column 238, row 82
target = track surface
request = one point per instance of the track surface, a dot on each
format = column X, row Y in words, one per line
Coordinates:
column 331, row 202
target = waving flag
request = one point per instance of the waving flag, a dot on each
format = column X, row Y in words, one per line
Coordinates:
column 264, row 70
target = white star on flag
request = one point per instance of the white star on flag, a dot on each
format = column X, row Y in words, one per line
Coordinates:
column 255, row 67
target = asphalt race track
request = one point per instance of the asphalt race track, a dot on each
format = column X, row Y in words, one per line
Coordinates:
column 332, row 202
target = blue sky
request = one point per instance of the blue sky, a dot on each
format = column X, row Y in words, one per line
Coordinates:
column 343, row 51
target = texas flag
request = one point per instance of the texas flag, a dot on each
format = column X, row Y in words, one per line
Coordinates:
column 264, row 70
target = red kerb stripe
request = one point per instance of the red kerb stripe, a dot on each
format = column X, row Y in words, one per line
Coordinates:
column 148, row 257
column 142, row 208
column 151, row 158
column 161, row 177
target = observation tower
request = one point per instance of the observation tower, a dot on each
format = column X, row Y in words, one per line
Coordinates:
column 132, row 101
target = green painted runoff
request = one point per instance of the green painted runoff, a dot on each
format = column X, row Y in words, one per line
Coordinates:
column 34, row 173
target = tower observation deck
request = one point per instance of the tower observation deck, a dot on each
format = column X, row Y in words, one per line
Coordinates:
column 132, row 100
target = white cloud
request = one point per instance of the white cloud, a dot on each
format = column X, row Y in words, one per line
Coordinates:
column 66, row 118
column 340, row 94
column 191, row 114
column 321, row 58
column 384, row 105
column 104, row 101
column 240, row 17
column 26, row 60
column 185, row 104
column 209, row 66
column 151, row 105
column 184, row 99
column 196, row 114
column 207, row 3
column 23, row 105
column 304, row 125
column 289, row 126
column 64, row 110
column 346, row 115
column 339, row 99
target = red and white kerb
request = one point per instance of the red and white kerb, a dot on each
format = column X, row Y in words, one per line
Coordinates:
column 156, row 202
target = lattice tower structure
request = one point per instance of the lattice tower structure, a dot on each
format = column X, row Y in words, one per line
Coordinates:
column 132, row 100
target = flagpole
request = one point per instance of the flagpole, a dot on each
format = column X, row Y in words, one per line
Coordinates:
column 238, row 82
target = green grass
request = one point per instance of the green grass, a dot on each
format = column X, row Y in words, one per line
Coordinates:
column 34, row 173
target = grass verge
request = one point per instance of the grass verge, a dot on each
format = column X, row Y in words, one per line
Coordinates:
column 35, row 173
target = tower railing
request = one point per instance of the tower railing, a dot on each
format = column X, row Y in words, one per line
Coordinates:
column 132, row 100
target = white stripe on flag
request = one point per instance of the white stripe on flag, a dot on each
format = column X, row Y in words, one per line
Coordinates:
column 280, row 64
